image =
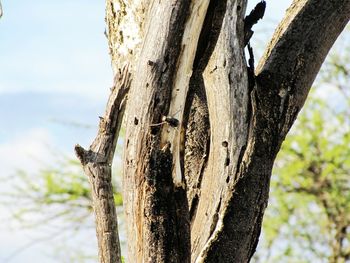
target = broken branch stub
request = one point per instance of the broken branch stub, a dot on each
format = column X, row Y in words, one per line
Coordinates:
column 97, row 162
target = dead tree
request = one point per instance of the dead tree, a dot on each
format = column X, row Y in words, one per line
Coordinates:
column 202, row 127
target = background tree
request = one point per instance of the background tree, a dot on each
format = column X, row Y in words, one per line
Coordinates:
column 311, row 189
column 196, row 174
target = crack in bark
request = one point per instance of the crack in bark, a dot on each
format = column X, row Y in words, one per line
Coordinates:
column 215, row 219
column 196, row 117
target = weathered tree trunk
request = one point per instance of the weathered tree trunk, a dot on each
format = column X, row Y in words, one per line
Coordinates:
column 202, row 131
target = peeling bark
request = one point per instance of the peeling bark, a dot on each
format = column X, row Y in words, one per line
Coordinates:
column 155, row 205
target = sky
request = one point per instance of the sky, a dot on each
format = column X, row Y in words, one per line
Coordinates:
column 55, row 76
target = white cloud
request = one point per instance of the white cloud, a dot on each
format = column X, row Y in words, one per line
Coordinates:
column 25, row 152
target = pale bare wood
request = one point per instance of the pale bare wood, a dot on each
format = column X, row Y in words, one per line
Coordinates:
column 156, row 230
column 198, row 10
column 226, row 81
column 125, row 20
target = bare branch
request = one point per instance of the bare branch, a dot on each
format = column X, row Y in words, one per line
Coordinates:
column 97, row 162
column 296, row 52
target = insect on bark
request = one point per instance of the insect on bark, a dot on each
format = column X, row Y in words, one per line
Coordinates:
column 173, row 122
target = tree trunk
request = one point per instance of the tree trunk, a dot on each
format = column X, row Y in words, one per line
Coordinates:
column 202, row 130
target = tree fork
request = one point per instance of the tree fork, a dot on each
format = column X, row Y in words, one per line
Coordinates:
column 234, row 205
column 284, row 77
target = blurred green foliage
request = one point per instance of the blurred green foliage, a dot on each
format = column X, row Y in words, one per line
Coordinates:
column 55, row 202
column 63, row 186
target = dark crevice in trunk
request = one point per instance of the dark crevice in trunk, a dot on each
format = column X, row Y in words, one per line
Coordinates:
column 197, row 138
column 196, row 117
column 209, row 34
column 216, row 218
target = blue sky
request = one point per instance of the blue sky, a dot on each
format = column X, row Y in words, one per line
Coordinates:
column 54, row 66
column 55, row 71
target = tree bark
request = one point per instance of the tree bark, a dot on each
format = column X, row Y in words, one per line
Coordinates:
column 202, row 130
column 258, row 122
